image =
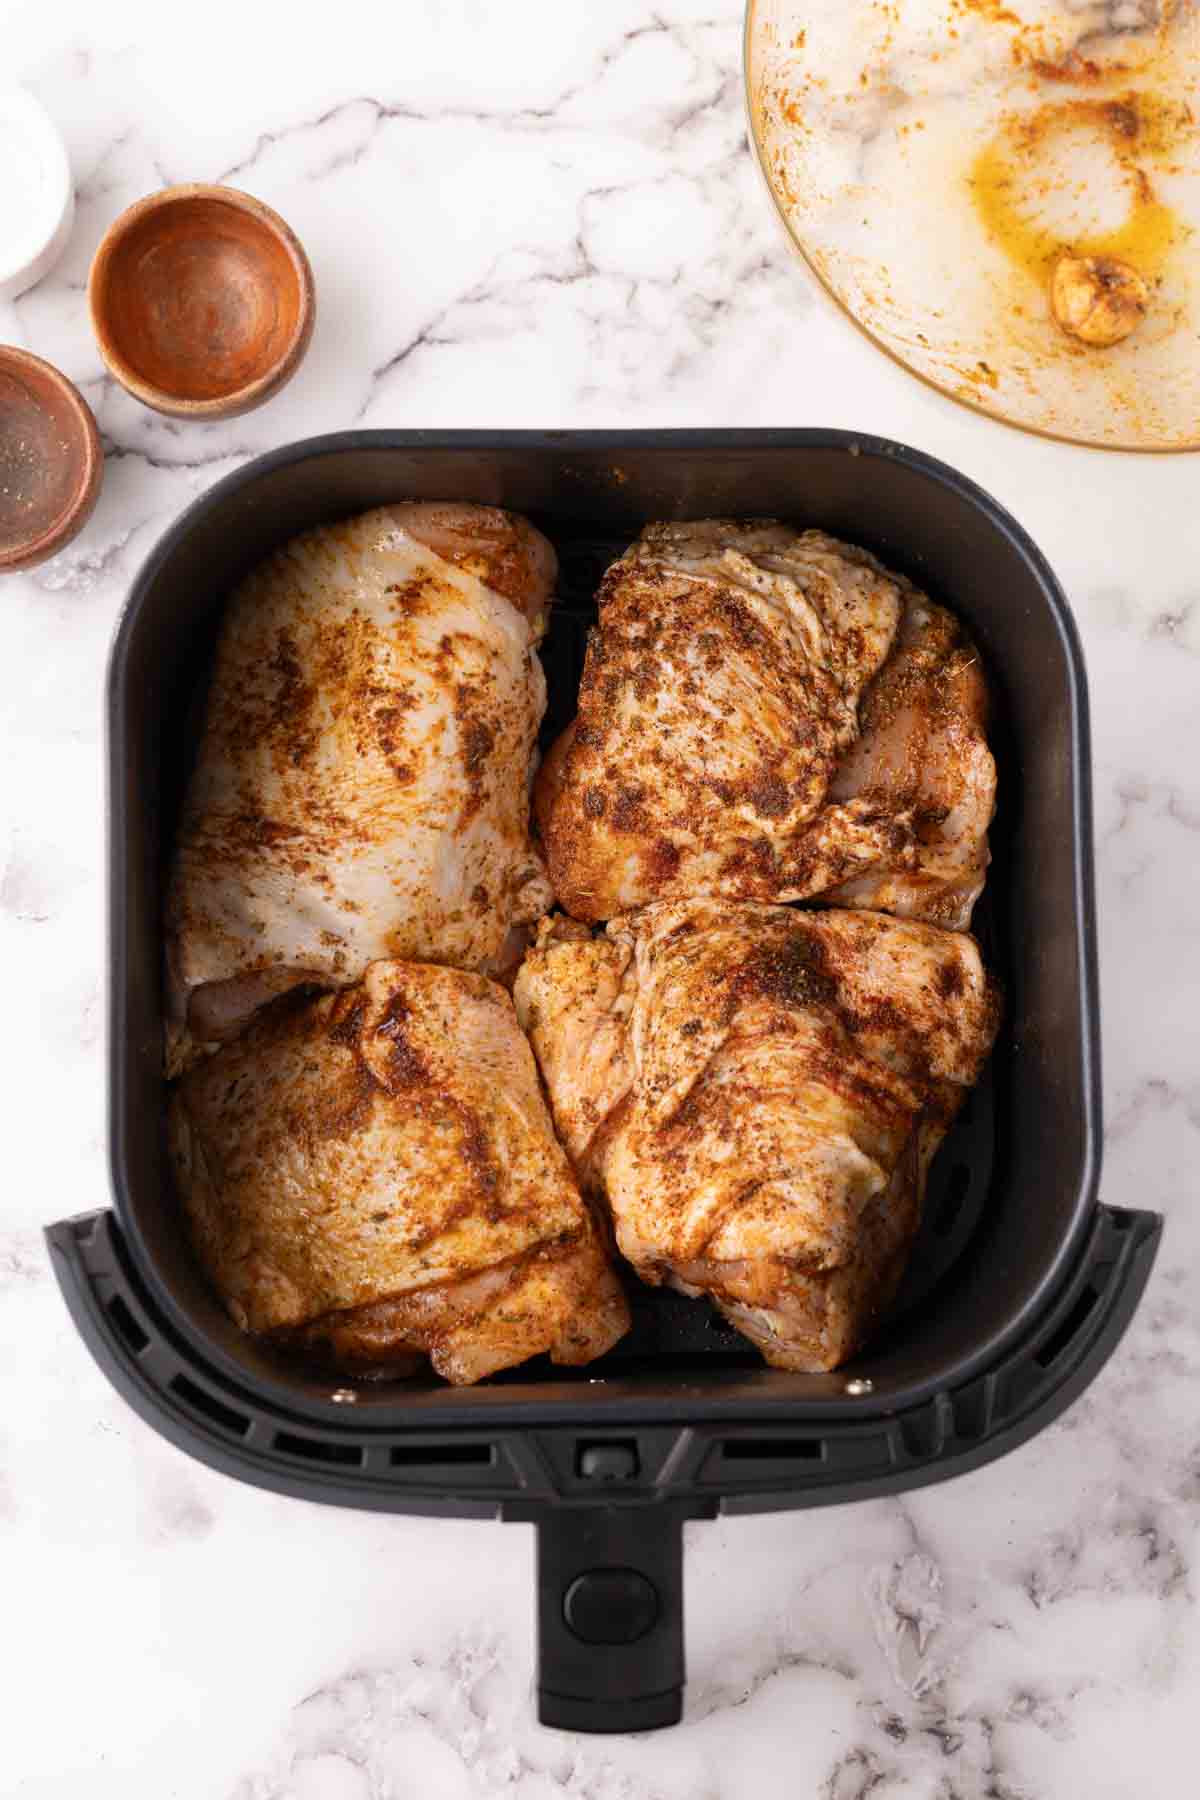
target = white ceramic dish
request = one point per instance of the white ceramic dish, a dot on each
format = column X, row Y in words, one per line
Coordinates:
column 37, row 200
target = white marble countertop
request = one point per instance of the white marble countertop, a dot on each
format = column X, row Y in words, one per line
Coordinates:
column 541, row 214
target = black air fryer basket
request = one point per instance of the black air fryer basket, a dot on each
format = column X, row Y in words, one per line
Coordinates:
column 1021, row 1284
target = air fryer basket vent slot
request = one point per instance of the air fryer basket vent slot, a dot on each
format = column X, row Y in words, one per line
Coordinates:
column 127, row 1325
column 319, row 1450
column 772, row 1449
column 213, row 1409
column 1058, row 1340
column 973, row 1409
column 440, row 1456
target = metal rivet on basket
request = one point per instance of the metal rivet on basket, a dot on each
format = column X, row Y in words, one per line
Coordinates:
column 344, row 1396
column 860, row 1386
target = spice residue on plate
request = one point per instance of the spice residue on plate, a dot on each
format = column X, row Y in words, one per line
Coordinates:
column 1018, row 177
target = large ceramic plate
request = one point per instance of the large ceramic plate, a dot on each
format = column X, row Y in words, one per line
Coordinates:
column 935, row 159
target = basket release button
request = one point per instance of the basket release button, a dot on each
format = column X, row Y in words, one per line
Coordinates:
column 614, row 1460
column 610, row 1606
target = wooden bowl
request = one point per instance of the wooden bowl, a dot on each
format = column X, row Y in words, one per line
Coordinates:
column 51, row 462
column 202, row 301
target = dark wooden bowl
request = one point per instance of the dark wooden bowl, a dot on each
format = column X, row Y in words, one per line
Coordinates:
column 202, row 301
column 51, row 462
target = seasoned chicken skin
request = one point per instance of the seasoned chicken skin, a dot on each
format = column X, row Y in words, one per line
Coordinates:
column 373, row 1173
column 767, row 715
column 720, row 691
column 362, row 788
column 923, row 752
column 757, row 1094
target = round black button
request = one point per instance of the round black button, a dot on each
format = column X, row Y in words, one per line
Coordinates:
column 610, row 1606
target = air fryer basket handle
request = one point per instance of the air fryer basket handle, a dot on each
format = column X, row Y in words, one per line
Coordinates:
column 610, row 1616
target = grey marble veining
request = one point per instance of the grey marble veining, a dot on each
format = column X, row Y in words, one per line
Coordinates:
column 545, row 215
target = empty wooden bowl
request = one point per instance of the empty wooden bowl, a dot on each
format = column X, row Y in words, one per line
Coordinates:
column 202, row 301
column 50, row 460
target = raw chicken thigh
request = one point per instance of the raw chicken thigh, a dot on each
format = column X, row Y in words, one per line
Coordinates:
column 924, row 751
column 757, row 1093
column 767, row 714
column 720, row 691
column 362, row 788
column 373, row 1174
